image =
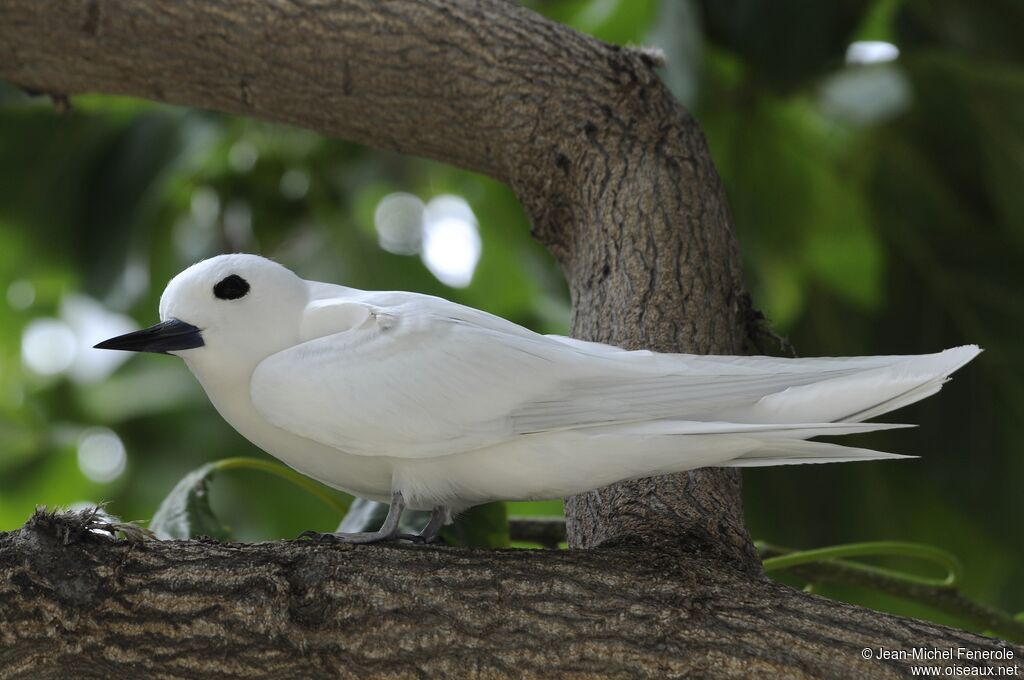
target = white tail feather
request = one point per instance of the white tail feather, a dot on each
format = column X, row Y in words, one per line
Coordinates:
column 789, row 431
column 859, row 396
column 798, row 452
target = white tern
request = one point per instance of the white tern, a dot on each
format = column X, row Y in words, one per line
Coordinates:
column 422, row 403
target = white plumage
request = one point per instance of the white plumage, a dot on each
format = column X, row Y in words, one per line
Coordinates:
column 383, row 392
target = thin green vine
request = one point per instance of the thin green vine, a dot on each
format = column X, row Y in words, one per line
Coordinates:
column 920, row 551
column 823, row 565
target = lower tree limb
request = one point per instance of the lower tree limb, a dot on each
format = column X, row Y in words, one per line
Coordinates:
column 77, row 604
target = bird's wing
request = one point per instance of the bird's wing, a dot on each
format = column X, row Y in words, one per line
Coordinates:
column 406, row 375
column 682, row 387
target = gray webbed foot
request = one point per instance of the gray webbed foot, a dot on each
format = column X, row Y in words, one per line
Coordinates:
column 413, row 538
column 389, row 530
column 353, row 538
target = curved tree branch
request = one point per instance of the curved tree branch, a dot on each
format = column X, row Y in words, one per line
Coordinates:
column 77, row 604
column 614, row 175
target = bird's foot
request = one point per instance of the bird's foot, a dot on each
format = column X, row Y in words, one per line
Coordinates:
column 414, row 538
column 363, row 537
column 359, row 537
column 387, row 532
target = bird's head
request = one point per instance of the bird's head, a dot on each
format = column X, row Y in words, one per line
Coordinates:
column 229, row 310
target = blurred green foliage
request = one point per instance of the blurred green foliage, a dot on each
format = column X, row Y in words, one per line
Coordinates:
column 877, row 201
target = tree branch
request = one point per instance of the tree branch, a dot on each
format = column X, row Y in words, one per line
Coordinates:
column 416, row 77
column 615, row 176
column 78, row 604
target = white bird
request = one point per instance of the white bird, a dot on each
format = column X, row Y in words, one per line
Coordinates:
column 422, row 403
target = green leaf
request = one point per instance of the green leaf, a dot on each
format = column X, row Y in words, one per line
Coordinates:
column 186, row 512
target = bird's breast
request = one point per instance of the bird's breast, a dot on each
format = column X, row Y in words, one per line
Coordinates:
column 364, row 476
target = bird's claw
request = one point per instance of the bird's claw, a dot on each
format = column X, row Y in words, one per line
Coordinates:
column 415, row 538
column 319, row 536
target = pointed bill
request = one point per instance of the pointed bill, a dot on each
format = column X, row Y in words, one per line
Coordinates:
column 163, row 338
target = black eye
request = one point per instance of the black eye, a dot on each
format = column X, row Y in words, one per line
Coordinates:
column 231, row 287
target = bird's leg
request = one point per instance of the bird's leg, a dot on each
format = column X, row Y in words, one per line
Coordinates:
column 438, row 516
column 437, row 519
column 387, row 532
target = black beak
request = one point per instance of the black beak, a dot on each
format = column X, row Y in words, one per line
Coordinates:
column 162, row 338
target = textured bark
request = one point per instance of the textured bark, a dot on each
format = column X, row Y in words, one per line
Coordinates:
column 652, row 263
column 617, row 182
column 78, row 605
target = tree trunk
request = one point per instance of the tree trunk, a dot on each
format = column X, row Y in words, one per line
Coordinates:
column 618, row 183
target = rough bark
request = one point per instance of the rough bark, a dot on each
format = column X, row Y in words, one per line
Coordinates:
column 77, row 604
column 617, row 182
